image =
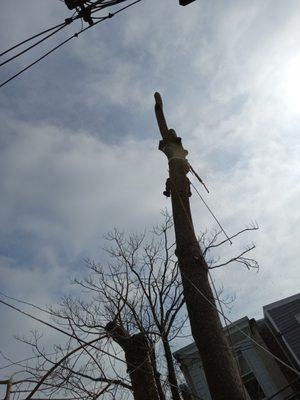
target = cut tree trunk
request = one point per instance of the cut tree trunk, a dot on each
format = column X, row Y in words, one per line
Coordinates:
column 137, row 355
column 219, row 365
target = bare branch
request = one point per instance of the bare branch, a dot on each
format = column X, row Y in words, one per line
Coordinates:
column 249, row 263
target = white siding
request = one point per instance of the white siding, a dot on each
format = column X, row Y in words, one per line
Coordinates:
column 199, row 380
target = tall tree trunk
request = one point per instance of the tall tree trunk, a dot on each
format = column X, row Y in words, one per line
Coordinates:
column 138, row 362
column 219, row 366
column 220, row 369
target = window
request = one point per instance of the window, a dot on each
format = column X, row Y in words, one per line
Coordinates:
column 297, row 316
column 253, row 387
column 250, row 382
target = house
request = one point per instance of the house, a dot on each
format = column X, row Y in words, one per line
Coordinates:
column 283, row 319
column 278, row 333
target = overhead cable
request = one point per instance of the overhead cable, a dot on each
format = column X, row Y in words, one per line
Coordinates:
column 36, row 61
column 72, row 336
column 31, row 38
column 33, row 45
column 110, row 15
column 240, row 330
column 297, row 372
column 227, row 329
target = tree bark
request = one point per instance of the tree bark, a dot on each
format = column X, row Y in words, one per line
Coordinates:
column 218, row 362
column 220, row 369
column 171, row 370
column 8, row 390
column 138, row 362
column 156, row 374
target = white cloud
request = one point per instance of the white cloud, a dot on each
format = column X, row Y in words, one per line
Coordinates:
column 70, row 187
column 70, row 171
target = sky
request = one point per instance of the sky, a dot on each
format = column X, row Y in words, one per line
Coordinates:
column 79, row 141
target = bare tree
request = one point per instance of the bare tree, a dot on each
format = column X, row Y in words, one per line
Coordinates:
column 140, row 291
column 129, row 309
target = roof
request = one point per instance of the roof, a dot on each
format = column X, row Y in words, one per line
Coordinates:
column 284, row 318
column 233, row 328
column 282, row 302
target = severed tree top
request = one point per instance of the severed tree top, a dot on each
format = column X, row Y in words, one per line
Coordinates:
column 170, row 144
column 162, row 123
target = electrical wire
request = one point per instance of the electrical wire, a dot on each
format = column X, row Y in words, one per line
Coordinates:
column 228, row 331
column 297, row 372
column 31, row 38
column 239, row 329
column 33, row 45
column 124, row 8
column 48, row 52
column 37, row 319
column 135, row 367
column 105, row 5
column 25, row 359
column 110, row 15
column 91, row 7
column 36, row 61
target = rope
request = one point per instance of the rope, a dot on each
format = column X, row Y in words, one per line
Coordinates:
column 211, row 212
column 228, row 331
column 224, row 316
column 198, row 177
column 240, row 330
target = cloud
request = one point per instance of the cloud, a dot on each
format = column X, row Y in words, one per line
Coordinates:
column 79, row 138
column 68, row 187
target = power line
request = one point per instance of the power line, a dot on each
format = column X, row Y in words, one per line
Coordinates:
column 49, row 52
column 33, row 45
column 66, row 333
column 36, row 61
column 93, row 7
column 227, row 329
column 31, row 38
column 110, row 15
column 37, row 319
column 12, row 363
column 26, row 303
column 75, row 337
column 240, row 330
column 124, row 8
column 297, row 372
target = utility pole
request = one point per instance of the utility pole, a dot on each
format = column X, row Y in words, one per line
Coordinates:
column 219, row 365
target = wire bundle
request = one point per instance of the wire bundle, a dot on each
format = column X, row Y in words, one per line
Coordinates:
column 92, row 7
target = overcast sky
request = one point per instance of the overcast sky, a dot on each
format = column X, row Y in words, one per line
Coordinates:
column 79, row 140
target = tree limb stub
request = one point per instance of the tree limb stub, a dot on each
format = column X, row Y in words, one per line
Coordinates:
column 137, row 355
column 170, row 143
column 162, row 124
